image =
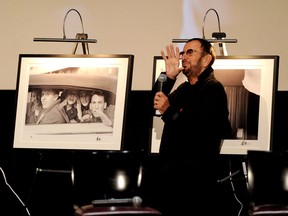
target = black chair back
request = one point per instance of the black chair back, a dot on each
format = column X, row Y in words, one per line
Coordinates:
column 106, row 175
column 267, row 177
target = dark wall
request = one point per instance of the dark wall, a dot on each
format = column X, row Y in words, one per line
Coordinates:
column 7, row 120
column 280, row 128
column 36, row 188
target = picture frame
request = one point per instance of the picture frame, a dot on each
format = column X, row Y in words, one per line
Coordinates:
column 109, row 74
column 254, row 79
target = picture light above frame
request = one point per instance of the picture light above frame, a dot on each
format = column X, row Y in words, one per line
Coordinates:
column 251, row 84
column 80, row 37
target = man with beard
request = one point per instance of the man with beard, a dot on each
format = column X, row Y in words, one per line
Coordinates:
column 195, row 118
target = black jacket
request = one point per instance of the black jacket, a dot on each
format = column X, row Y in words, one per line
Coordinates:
column 194, row 126
column 197, row 119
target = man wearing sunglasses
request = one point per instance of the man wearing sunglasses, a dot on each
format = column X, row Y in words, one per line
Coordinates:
column 195, row 117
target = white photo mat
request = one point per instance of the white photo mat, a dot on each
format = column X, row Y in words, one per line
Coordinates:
column 112, row 73
column 261, row 76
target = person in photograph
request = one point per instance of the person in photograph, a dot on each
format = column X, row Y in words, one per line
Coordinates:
column 53, row 112
column 98, row 106
column 84, row 96
column 71, row 105
column 195, row 117
column 34, row 106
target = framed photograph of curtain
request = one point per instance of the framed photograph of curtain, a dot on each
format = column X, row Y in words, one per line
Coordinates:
column 68, row 122
column 251, row 84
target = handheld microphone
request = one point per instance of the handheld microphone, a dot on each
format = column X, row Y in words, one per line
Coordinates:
column 161, row 80
column 245, row 174
column 135, row 201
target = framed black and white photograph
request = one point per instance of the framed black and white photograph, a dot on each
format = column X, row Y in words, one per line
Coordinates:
column 250, row 83
column 72, row 101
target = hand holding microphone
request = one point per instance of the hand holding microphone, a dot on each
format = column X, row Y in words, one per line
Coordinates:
column 161, row 102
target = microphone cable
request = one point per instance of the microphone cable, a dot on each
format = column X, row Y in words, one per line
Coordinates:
column 34, row 178
column 233, row 189
column 23, row 204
